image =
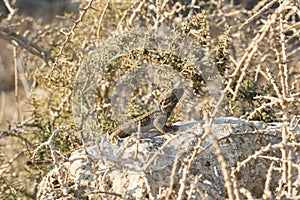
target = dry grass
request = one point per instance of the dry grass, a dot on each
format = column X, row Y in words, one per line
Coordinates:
column 255, row 51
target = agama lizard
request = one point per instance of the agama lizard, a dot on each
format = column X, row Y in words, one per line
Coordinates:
column 155, row 119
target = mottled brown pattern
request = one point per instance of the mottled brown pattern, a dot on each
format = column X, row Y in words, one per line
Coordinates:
column 155, row 119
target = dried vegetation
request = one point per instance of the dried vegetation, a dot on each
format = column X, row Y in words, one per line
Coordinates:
column 256, row 51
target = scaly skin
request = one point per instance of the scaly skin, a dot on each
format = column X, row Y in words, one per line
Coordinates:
column 155, row 119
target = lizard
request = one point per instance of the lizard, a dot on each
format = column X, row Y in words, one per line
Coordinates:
column 154, row 119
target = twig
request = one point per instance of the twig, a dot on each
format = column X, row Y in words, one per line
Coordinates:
column 263, row 150
column 16, row 81
column 145, row 167
column 10, row 9
column 246, row 193
column 138, row 139
column 107, row 193
column 2, row 106
column 72, row 31
column 172, row 176
column 101, row 19
column 221, row 160
column 49, row 143
column 266, row 7
column 137, row 4
column 267, row 193
column 12, row 36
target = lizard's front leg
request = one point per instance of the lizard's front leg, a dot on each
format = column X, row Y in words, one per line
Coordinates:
column 159, row 122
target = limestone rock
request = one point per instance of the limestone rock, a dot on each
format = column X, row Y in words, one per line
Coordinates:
column 183, row 165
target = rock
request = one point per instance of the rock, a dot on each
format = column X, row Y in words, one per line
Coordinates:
column 177, row 166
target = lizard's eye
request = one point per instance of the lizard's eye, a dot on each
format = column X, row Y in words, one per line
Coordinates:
column 166, row 102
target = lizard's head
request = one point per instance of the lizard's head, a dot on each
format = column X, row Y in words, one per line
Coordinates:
column 169, row 99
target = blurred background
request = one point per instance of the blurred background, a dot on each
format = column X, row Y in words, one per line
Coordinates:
column 44, row 12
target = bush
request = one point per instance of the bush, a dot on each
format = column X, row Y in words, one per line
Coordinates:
column 251, row 54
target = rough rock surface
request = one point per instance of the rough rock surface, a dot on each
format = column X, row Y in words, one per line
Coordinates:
column 176, row 166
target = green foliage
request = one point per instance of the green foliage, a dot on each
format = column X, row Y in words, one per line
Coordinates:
column 7, row 190
column 113, row 41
